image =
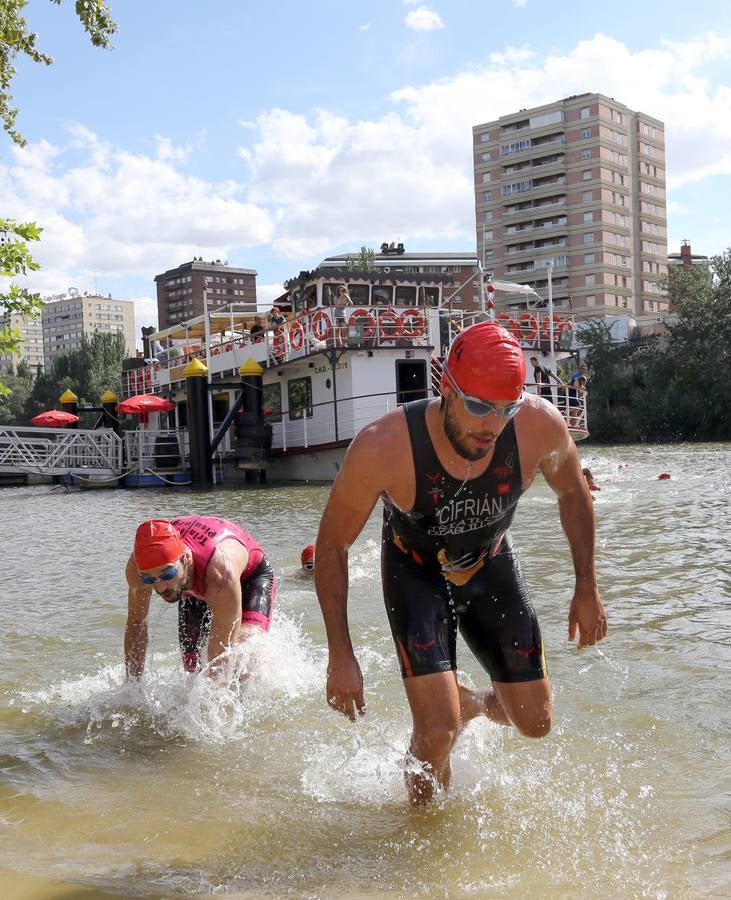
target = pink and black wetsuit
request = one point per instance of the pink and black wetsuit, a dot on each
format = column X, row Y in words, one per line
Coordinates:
column 203, row 534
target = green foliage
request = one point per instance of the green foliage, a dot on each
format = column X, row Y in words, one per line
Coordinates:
column 363, row 261
column 89, row 371
column 12, row 404
column 15, row 38
column 674, row 387
column 15, row 259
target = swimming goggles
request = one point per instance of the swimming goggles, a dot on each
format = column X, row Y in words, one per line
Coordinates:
column 167, row 575
column 477, row 407
column 308, row 565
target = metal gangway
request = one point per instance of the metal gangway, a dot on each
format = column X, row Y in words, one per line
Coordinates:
column 94, row 455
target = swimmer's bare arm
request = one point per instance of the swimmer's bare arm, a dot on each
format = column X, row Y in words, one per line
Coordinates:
column 562, row 470
column 365, row 475
column 135, row 632
column 223, row 596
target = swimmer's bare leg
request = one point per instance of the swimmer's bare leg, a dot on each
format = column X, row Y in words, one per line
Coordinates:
column 473, row 703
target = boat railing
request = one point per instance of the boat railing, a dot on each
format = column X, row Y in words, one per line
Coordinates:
column 569, row 401
column 308, row 333
column 164, row 448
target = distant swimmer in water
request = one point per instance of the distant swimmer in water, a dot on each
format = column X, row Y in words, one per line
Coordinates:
column 216, row 572
column 591, row 484
column 451, row 472
column 307, row 559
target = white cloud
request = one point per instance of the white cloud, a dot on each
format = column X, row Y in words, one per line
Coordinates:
column 423, row 19
column 519, row 4
column 313, row 182
column 365, row 26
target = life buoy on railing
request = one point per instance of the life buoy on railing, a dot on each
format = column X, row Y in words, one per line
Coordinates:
column 279, row 346
column 216, row 351
column 229, row 348
column 389, row 325
column 363, row 317
column 321, row 326
column 412, row 323
column 528, row 326
column 296, row 336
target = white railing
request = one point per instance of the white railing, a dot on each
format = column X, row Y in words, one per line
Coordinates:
column 55, row 451
column 569, row 401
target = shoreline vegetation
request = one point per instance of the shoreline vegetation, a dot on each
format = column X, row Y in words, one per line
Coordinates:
column 673, row 387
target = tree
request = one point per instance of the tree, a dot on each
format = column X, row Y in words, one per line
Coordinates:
column 89, row 371
column 363, row 261
column 675, row 386
column 15, row 259
column 15, row 38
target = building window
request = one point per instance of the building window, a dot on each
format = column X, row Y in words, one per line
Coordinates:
column 585, row 112
column 589, row 237
column 488, row 216
column 591, row 300
column 586, row 175
column 484, row 137
column 589, row 280
column 487, row 235
column 585, row 133
column 587, row 196
column 589, row 259
column 486, row 177
column 486, row 156
column 589, row 216
column 586, row 154
column 487, row 196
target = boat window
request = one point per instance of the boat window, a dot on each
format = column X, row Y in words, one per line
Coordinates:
column 272, row 401
column 428, row 296
column 359, row 294
column 381, row 295
column 405, row 295
column 300, row 398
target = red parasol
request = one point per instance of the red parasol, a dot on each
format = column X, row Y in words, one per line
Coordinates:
column 142, row 404
column 54, row 418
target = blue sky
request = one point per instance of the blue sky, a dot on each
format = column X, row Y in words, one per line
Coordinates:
column 274, row 134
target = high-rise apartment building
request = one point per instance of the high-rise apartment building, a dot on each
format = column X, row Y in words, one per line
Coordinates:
column 180, row 290
column 580, row 184
column 31, row 342
column 65, row 320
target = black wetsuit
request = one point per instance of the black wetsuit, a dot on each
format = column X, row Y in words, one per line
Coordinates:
column 449, row 563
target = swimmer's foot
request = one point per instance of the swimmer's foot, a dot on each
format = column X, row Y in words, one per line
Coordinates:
column 480, row 703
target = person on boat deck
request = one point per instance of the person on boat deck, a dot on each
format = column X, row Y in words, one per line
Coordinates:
column 542, row 376
column 215, row 571
column 276, row 319
column 450, row 472
column 256, row 332
column 342, row 301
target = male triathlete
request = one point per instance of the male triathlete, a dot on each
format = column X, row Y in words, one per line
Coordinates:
column 215, row 571
column 450, row 472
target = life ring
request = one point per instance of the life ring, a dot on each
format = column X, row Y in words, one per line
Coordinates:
column 389, row 325
column 321, row 326
column 531, row 332
column 412, row 323
column 216, row 351
column 229, row 348
column 358, row 316
column 279, row 346
column 296, row 336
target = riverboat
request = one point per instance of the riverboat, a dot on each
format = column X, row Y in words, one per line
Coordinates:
column 325, row 374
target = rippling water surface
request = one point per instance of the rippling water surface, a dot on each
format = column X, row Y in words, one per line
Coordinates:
column 173, row 788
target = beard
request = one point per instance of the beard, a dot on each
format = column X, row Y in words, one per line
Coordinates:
column 458, row 437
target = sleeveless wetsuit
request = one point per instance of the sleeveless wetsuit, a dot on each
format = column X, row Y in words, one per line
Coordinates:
column 449, row 563
column 202, row 534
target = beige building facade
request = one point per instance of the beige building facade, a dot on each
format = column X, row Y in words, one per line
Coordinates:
column 66, row 319
column 31, row 343
column 579, row 184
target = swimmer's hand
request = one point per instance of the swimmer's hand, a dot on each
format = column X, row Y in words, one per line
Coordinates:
column 345, row 686
column 587, row 616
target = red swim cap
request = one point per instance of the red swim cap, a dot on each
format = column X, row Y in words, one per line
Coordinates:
column 307, row 559
column 157, row 543
column 486, row 361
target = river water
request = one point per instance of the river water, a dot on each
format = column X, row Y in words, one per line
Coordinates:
column 175, row 788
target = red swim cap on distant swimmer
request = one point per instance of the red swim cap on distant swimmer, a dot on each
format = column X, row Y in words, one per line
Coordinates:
column 157, row 543
column 486, row 361
column 307, row 559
